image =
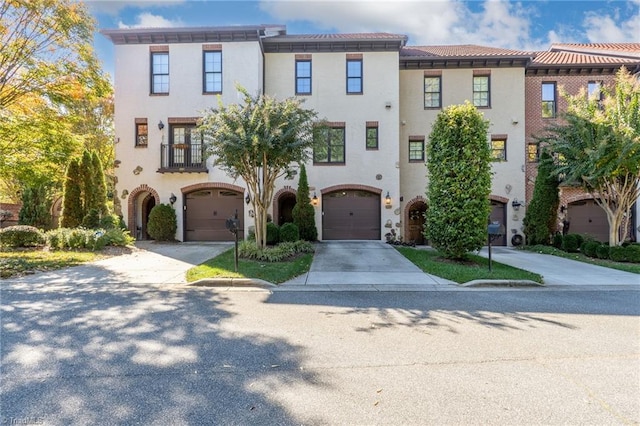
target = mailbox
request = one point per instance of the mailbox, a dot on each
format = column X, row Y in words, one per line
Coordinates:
column 232, row 225
column 494, row 228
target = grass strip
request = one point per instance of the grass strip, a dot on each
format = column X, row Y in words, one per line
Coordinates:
column 223, row 266
column 474, row 268
column 14, row 263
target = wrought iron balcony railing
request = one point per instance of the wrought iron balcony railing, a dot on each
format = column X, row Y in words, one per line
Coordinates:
column 177, row 158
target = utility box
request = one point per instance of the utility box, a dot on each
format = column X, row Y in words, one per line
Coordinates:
column 495, row 229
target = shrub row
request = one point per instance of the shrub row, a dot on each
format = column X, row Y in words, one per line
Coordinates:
column 64, row 238
column 573, row 243
column 288, row 232
column 21, row 236
column 248, row 250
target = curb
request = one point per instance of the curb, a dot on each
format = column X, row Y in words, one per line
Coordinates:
column 233, row 282
column 502, row 283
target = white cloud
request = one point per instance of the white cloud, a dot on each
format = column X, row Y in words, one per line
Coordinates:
column 149, row 20
column 609, row 28
column 113, row 7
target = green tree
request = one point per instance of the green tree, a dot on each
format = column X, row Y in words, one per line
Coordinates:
column 72, row 211
column 86, row 182
column 100, row 186
column 541, row 219
column 260, row 140
column 54, row 97
column 598, row 148
column 303, row 212
column 36, row 205
column 458, row 163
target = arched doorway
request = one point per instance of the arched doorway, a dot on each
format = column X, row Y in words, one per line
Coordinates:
column 286, row 202
column 499, row 214
column 415, row 222
column 148, row 203
column 140, row 202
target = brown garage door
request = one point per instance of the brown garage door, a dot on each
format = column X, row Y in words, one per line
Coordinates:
column 351, row 215
column 586, row 217
column 498, row 214
column 206, row 214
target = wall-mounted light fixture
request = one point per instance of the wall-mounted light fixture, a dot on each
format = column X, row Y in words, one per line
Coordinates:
column 387, row 105
column 516, row 204
column 314, row 200
column 247, row 199
column 160, row 125
column 563, row 209
column 387, row 199
column 173, row 198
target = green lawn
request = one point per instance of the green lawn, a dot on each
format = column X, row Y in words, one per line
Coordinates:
column 622, row 266
column 476, row 268
column 14, row 262
column 223, row 266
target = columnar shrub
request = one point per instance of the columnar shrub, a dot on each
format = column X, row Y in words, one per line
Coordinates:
column 303, row 212
column 99, row 184
column 289, row 232
column 21, row 236
column 458, row 162
column 36, row 202
column 72, row 209
column 541, row 217
column 162, row 224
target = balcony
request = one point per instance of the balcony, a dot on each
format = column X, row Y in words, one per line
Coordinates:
column 182, row 158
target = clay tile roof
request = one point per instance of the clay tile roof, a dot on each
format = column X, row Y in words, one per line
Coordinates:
column 458, row 51
column 630, row 50
column 572, row 58
column 352, row 36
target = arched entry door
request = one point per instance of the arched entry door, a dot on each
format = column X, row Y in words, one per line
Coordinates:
column 148, row 203
column 499, row 214
column 415, row 223
column 286, row 202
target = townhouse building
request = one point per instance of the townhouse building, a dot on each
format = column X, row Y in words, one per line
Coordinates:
column 379, row 96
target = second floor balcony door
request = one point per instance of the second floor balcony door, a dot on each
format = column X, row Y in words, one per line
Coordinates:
column 185, row 146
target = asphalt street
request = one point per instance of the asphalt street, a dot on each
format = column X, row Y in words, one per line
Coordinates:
column 117, row 353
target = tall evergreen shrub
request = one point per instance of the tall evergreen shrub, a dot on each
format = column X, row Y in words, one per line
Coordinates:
column 100, row 185
column 162, row 224
column 303, row 212
column 458, row 163
column 36, row 205
column 72, row 208
column 541, row 217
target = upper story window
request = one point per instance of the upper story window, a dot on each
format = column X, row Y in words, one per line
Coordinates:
column 499, row 147
column 354, row 76
column 212, row 71
column 159, row 73
column 303, row 76
column 481, row 94
column 548, row 100
column 533, row 153
column 372, row 135
column 330, row 145
column 432, row 91
column 142, row 132
column 594, row 90
column 416, row 149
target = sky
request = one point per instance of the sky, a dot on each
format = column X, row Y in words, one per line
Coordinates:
column 522, row 25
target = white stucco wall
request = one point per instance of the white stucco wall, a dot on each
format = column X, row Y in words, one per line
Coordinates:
column 506, row 116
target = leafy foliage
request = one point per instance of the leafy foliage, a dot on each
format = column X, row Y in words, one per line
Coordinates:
column 91, row 239
column 289, row 232
column 282, row 251
column 458, row 160
column 260, row 141
column 36, row 202
column 542, row 213
column 273, row 233
column 598, row 147
column 21, row 236
column 162, row 224
column 303, row 212
column 72, row 210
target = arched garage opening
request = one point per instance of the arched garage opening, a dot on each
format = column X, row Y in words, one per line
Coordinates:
column 351, row 213
column 207, row 208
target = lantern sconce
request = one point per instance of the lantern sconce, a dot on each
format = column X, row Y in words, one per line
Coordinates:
column 160, row 125
column 314, row 200
column 387, row 199
column 516, row 204
column 247, row 199
column 173, row 198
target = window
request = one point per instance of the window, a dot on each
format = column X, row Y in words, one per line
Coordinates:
column 499, row 147
column 432, row 92
column 593, row 90
column 533, row 153
column 372, row 135
column 548, row 100
column 212, row 72
column 481, row 91
column 329, row 147
column 416, row 149
column 185, row 145
column 303, row 77
column 354, row 76
column 142, row 132
column 160, row 72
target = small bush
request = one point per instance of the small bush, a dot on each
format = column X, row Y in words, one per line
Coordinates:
column 111, row 221
column 557, row 241
column 283, row 251
column 618, row 254
column 289, row 232
column 273, row 233
column 633, row 253
column 162, row 224
column 117, row 237
column 582, row 238
column 602, row 251
column 77, row 238
column 588, row 248
column 90, row 239
column 21, row 236
column 571, row 243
